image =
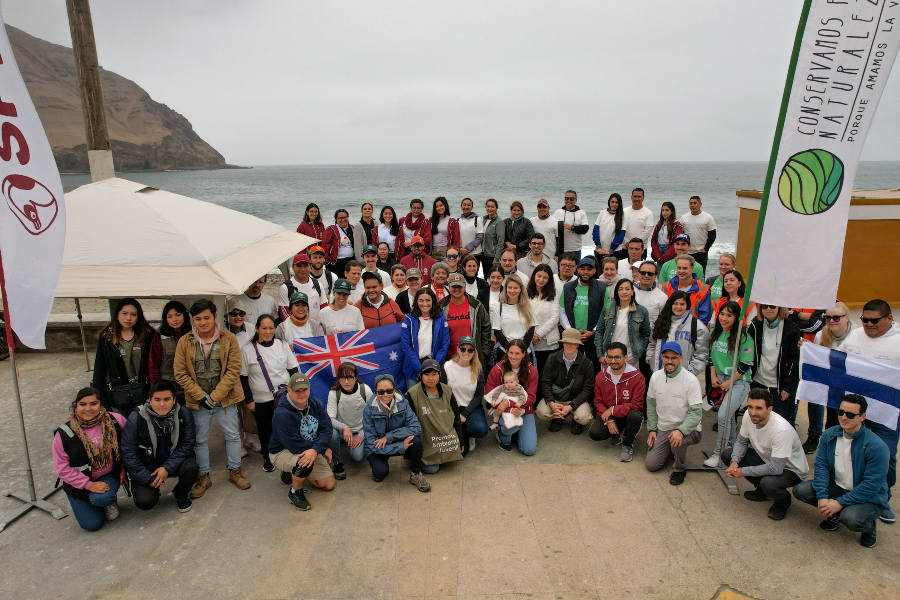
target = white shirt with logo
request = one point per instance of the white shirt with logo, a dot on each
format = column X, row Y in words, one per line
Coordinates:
column 278, row 359
column 674, row 397
column 347, row 319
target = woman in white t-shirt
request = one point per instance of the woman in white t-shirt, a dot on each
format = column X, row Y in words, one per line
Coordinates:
column 545, row 310
column 624, row 321
column 346, row 401
column 511, row 317
column 387, row 230
column 265, row 356
column 340, row 316
column 299, row 324
column 466, row 378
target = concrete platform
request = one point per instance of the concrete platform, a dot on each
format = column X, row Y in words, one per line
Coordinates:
column 569, row 522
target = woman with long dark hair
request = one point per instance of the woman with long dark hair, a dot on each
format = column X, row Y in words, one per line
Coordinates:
column 444, row 229
column 609, row 230
column 266, row 364
column 175, row 323
column 364, row 230
column 387, row 231
column 312, row 224
column 493, row 242
column 733, row 288
column 122, row 362
column 517, row 361
column 88, row 461
column 424, row 334
column 338, row 243
column 346, row 402
column 475, row 285
column 519, row 230
column 663, row 248
column 675, row 323
column 541, row 292
column 624, row 321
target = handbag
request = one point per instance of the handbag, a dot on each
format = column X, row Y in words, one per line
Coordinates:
column 276, row 394
column 127, row 396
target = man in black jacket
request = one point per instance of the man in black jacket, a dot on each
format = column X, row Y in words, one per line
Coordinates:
column 776, row 358
column 158, row 443
column 567, row 383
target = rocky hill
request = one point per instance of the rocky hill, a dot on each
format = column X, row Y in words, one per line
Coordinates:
column 144, row 134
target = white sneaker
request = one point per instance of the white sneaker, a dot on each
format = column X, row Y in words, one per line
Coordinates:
column 471, row 444
column 244, row 452
column 112, row 511
column 256, row 447
column 713, row 461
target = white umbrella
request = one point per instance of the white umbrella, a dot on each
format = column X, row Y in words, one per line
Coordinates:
column 125, row 239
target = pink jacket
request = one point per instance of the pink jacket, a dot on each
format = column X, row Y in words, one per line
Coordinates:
column 73, row 477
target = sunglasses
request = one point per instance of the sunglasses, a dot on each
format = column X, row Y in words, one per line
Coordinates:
column 849, row 415
column 834, row 318
column 570, row 199
column 389, row 392
column 647, row 273
column 467, row 350
column 237, row 314
column 453, row 256
column 867, row 320
column 767, row 306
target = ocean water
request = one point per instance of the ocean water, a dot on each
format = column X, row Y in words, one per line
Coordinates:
column 280, row 193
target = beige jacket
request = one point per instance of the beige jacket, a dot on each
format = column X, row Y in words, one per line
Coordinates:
column 229, row 390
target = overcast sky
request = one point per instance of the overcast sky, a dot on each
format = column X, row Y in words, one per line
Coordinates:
column 290, row 82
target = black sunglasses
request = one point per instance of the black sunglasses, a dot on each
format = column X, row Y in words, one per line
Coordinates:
column 572, row 199
column 767, row 306
column 867, row 320
column 237, row 314
column 389, row 392
column 648, row 273
column 453, row 256
column 467, row 350
column 849, row 415
column 833, row 318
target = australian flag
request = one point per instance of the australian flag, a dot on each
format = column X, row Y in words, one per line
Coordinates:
column 373, row 351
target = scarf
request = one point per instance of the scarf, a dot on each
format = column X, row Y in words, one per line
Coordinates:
column 166, row 424
column 99, row 457
column 414, row 225
column 610, row 283
column 387, row 409
column 298, row 322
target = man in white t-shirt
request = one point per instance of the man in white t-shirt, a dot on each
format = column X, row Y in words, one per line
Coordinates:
column 257, row 303
column 567, row 265
column 317, row 271
column 547, row 225
column 370, row 257
column 646, row 291
column 635, row 247
column 674, row 412
column 776, row 460
column 575, row 224
column 639, row 221
column 701, row 227
column 301, row 282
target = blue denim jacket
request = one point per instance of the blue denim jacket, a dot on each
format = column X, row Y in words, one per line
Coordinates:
column 638, row 329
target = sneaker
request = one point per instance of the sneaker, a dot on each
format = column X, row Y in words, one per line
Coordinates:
column 617, row 439
column 298, row 499
column 779, row 510
column 811, row 444
column 556, row 424
column 203, row 484
column 867, row 539
column 112, row 511
column 418, row 480
column 377, row 479
column 268, row 467
column 716, row 426
column 756, row 495
column 184, row 504
column 286, row 478
column 237, row 478
column 713, row 462
column 577, row 428
column 887, row 515
column 507, row 447
column 338, row 469
column 627, row 453
column 472, row 444
column 244, row 452
column 677, row 478
column 831, row 523
column 255, row 447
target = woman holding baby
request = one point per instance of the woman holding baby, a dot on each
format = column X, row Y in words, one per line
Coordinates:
column 516, row 361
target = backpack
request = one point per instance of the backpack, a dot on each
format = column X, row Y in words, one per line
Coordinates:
column 363, row 392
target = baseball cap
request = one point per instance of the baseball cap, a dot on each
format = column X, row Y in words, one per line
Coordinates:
column 417, row 239
column 370, row 248
column 673, row 346
column 429, row 364
column 314, row 249
column 456, row 279
column 413, row 273
column 298, row 297
column 587, row 260
column 341, row 286
column 371, row 275
column 682, row 236
column 543, row 202
column 637, row 264
column 467, row 339
column 298, row 381
column 301, row 257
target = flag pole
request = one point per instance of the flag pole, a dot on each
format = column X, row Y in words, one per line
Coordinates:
column 770, row 175
column 31, row 500
column 83, row 339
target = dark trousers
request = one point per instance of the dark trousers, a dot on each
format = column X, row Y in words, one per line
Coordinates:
column 379, row 462
column 263, row 415
column 541, row 357
column 785, row 408
column 774, row 486
column 645, row 369
column 590, row 352
column 856, row 517
column 629, row 426
column 338, row 267
column 889, row 437
column 486, row 263
column 701, row 257
column 146, row 497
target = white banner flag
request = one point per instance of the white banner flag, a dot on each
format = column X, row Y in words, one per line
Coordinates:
column 32, row 213
column 843, row 63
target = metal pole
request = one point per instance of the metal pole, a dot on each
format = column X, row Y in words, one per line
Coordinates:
column 83, row 339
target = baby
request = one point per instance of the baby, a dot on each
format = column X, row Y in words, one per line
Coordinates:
column 506, row 397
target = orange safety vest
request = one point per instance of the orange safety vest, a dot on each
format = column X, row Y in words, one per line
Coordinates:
column 809, row 337
column 721, row 302
column 696, row 298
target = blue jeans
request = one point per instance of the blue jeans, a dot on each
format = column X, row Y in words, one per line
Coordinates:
column 430, row 469
column 740, row 389
column 527, row 435
column 856, row 517
column 816, row 413
column 90, row 514
column 356, row 454
column 476, row 426
column 889, row 437
column 227, row 418
column 577, row 257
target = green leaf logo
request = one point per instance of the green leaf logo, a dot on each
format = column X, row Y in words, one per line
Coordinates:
column 811, row 182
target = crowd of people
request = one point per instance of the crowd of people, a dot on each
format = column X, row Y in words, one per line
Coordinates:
column 502, row 320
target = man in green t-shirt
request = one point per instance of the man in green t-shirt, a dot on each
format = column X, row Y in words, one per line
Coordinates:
column 682, row 245
column 582, row 306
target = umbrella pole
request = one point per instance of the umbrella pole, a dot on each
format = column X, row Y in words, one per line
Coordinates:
column 81, row 327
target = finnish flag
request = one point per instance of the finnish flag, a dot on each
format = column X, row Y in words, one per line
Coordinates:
column 827, row 375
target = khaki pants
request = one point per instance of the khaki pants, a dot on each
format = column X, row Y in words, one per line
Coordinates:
column 582, row 415
column 285, row 461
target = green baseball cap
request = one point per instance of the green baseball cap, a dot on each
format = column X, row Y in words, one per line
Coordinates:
column 298, row 297
column 413, row 273
column 467, row 339
column 370, row 248
column 341, row 286
column 298, row 381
